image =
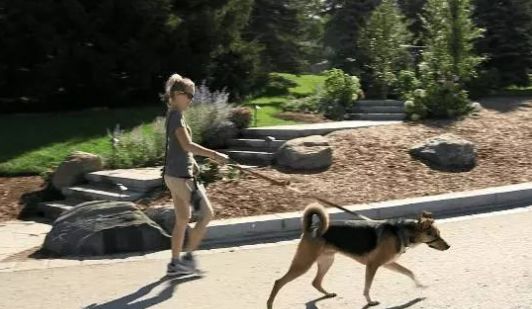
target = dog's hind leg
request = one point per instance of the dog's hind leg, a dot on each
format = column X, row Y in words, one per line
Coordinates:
column 325, row 262
column 405, row 271
column 371, row 270
column 306, row 255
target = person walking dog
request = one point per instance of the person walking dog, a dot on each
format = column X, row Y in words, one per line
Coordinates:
column 179, row 173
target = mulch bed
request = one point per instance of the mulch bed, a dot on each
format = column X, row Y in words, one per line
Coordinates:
column 11, row 191
column 369, row 165
column 373, row 164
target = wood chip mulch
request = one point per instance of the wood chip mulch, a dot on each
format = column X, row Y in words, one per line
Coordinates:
column 373, row 164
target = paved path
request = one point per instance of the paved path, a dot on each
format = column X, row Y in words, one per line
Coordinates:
column 17, row 236
column 488, row 266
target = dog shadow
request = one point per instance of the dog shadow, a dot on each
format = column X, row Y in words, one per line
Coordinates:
column 312, row 304
column 127, row 301
column 403, row 306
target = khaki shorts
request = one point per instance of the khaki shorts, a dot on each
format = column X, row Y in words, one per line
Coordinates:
column 181, row 190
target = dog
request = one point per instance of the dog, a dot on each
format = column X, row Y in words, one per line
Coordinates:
column 373, row 243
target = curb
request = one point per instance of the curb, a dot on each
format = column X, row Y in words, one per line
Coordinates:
column 254, row 229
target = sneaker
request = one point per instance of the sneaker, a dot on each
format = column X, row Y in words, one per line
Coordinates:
column 190, row 260
column 179, row 269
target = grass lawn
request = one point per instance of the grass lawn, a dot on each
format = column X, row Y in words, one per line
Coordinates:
column 34, row 143
column 270, row 105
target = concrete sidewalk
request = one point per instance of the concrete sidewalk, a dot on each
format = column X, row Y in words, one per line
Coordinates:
column 488, row 266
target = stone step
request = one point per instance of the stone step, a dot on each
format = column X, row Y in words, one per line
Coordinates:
column 370, row 103
column 53, row 209
column 139, row 179
column 375, row 116
column 259, row 158
column 101, row 192
column 250, row 143
column 377, row 109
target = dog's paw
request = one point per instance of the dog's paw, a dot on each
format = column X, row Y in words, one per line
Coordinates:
column 373, row 303
column 330, row 295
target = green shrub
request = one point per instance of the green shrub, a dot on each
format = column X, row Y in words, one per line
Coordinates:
column 340, row 92
column 406, row 83
column 308, row 104
column 139, row 148
column 241, row 117
column 441, row 101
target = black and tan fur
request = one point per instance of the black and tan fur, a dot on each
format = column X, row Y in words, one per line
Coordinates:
column 372, row 243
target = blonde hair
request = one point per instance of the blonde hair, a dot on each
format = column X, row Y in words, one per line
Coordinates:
column 177, row 83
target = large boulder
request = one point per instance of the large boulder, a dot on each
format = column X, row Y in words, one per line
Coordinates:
column 305, row 153
column 72, row 170
column 104, row 227
column 447, row 152
column 165, row 217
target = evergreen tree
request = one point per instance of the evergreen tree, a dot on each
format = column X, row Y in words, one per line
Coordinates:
column 345, row 19
column 382, row 42
column 283, row 28
column 507, row 42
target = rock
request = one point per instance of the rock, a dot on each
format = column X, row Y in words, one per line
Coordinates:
column 165, row 217
column 72, row 170
column 306, row 153
column 104, row 227
column 218, row 135
column 446, row 151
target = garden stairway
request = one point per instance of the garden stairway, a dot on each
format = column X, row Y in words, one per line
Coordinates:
column 257, row 146
column 115, row 185
column 377, row 110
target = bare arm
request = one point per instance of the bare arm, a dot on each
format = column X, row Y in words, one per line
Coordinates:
column 187, row 144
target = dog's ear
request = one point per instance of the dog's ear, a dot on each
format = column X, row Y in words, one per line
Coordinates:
column 425, row 220
column 426, row 214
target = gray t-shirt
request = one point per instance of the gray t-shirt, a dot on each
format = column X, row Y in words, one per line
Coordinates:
column 179, row 163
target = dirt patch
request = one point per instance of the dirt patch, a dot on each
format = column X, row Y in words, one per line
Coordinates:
column 373, row 164
column 11, row 190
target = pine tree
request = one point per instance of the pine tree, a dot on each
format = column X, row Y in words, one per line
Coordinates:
column 382, row 41
column 507, row 42
column 345, row 19
column 283, row 28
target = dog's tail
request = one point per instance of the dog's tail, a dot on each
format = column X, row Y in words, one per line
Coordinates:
column 323, row 218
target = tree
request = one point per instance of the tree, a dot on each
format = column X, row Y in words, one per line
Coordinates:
column 449, row 37
column 345, row 19
column 382, row 42
column 448, row 60
column 286, row 29
column 413, row 9
column 78, row 53
column 507, row 42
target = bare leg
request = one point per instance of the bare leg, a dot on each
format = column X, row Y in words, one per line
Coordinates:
column 405, row 271
column 182, row 213
column 305, row 256
column 371, row 269
column 198, row 232
column 325, row 262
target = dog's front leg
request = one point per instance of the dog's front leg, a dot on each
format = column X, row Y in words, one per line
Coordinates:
column 371, row 269
column 405, row 271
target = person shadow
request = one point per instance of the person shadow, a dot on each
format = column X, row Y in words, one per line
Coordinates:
column 312, row 304
column 128, row 301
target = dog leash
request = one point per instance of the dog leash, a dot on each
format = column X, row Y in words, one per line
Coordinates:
column 286, row 184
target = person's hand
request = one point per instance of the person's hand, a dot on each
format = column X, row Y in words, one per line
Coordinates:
column 221, row 158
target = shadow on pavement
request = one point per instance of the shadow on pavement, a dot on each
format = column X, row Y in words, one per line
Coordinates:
column 312, row 304
column 127, row 301
column 410, row 303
